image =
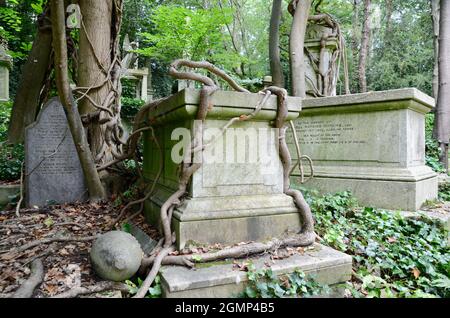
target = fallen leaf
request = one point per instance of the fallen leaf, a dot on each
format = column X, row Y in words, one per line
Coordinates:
column 391, row 239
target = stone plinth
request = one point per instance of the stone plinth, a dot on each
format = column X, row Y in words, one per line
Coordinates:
column 323, row 264
column 236, row 198
column 372, row 144
column 5, row 66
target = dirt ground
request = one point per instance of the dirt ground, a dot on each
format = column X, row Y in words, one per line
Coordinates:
column 64, row 262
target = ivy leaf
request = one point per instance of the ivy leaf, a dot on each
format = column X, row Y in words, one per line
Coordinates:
column 48, row 222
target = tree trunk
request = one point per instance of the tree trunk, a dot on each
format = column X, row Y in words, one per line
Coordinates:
column 95, row 187
column 435, row 7
column 355, row 45
column 34, row 72
column 274, row 45
column 442, row 117
column 389, row 11
column 93, row 67
column 364, row 49
column 297, row 44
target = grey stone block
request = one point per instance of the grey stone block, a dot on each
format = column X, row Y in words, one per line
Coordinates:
column 372, row 144
column 324, row 264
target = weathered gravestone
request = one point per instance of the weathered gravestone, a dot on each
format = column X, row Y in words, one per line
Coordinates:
column 372, row 144
column 53, row 172
column 5, row 65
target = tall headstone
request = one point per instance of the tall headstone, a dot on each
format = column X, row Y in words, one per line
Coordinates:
column 5, row 65
column 53, row 171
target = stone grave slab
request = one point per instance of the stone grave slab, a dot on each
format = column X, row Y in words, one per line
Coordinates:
column 53, row 173
column 324, row 264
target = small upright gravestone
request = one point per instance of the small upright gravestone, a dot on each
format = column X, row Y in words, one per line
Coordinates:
column 5, row 65
column 53, row 172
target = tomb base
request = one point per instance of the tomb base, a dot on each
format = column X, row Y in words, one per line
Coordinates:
column 394, row 189
column 221, row 279
column 227, row 221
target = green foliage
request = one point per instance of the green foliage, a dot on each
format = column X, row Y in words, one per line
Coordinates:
column 130, row 104
column 444, row 192
column 263, row 283
column 409, row 257
column 11, row 156
column 181, row 32
column 130, row 107
column 10, row 21
column 403, row 56
column 432, row 149
column 153, row 292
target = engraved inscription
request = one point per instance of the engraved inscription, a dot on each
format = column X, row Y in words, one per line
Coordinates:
column 52, row 169
column 327, row 132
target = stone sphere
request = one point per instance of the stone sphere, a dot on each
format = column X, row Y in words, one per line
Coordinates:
column 116, row 256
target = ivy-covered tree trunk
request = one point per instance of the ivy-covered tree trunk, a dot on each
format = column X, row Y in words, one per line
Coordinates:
column 364, row 49
column 34, row 73
column 274, row 44
column 435, row 7
column 355, row 45
column 297, row 44
column 93, row 67
column 95, row 187
column 442, row 117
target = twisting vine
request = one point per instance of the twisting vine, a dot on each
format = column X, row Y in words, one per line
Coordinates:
column 107, row 114
column 188, row 167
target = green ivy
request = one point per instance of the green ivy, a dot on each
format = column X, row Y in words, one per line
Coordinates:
column 444, row 192
column 11, row 156
column 432, row 149
column 263, row 283
column 154, row 291
column 394, row 256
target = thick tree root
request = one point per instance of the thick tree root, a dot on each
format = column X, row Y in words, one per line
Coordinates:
column 153, row 272
column 46, row 240
column 242, row 251
column 100, row 287
column 37, row 276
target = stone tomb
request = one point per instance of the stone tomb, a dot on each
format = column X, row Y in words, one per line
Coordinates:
column 372, row 144
column 229, row 201
column 53, row 172
column 321, row 263
column 232, row 199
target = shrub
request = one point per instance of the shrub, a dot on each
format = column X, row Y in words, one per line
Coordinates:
column 11, row 156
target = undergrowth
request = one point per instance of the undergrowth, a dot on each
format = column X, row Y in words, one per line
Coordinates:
column 393, row 256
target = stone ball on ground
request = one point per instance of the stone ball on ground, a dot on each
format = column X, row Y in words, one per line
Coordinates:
column 116, row 256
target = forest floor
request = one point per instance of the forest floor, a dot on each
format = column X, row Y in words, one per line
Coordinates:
column 65, row 263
